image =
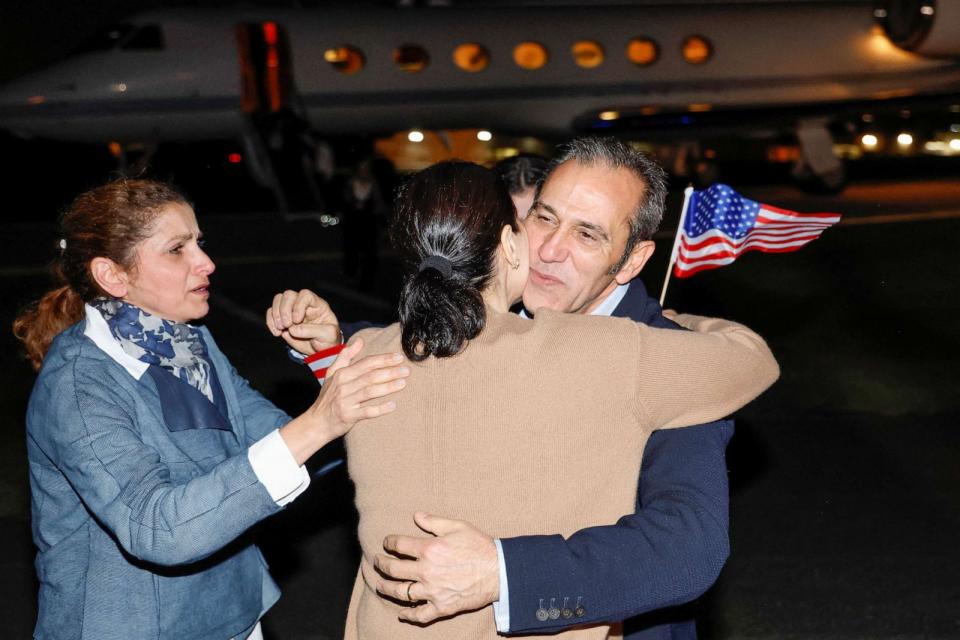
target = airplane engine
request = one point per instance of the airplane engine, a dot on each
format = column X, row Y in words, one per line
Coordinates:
column 926, row 27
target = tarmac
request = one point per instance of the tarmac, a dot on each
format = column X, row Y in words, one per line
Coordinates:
column 845, row 475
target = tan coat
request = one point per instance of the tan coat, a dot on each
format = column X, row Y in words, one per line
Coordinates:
column 537, row 427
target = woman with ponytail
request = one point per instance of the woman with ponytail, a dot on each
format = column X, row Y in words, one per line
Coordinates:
column 149, row 455
column 518, row 426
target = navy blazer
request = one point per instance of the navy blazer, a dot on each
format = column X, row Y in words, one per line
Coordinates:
column 666, row 554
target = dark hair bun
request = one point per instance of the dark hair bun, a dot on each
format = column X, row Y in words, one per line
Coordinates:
column 453, row 211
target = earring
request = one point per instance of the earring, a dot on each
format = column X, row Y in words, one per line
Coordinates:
column 515, row 265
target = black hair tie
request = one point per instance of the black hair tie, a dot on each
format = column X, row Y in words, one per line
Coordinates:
column 441, row 264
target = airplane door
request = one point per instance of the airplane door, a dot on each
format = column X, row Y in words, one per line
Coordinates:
column 265, row 67
column 276, row 132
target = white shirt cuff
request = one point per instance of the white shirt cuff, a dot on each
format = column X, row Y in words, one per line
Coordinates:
column 501, row 608
column 277, row 470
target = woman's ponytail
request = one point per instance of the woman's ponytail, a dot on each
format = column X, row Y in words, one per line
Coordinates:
column 40, row 322
column 448, row 223
column 438, row 315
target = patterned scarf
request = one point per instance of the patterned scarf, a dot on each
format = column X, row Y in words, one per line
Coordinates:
column 174, row 346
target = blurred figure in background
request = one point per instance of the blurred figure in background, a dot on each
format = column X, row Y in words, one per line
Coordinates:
column 522, row 173
column 363, row 209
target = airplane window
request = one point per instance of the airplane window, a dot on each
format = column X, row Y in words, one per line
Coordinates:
column 345, row 59
column 148, row 37
column 587, row 53
column 530, row 55
column 642, row 51
column 697, row 50
column 411, row 58
column 471, row 57
column 106, row 39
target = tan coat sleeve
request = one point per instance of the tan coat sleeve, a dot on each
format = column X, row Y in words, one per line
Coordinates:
column 702, row 375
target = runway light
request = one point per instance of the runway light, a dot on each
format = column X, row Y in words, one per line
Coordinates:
column 869, row 141
column 609, row 115
column 415, row 136
column 905, row 139
column 484, row 136
column 955, row 144
column 234, row 158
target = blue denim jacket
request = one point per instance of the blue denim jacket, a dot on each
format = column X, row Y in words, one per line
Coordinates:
column 137, row 525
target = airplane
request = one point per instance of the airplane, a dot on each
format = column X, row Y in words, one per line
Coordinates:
column 672, row 70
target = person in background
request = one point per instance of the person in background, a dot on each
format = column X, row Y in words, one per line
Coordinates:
column 363, row 211
column 522, row 174
column 149, row 456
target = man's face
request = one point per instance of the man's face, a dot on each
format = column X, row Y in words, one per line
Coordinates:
column 578, row 229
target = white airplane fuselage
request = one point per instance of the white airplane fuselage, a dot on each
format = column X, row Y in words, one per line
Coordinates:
column 190, row 89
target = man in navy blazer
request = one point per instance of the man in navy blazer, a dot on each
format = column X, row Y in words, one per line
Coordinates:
column 590, row 230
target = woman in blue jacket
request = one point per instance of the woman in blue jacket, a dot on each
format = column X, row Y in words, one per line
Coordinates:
column 149, row 455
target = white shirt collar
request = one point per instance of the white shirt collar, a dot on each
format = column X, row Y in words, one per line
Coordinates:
column 606, row 307
column 97, row 330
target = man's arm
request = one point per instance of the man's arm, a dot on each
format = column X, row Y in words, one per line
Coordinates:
column 669, row 552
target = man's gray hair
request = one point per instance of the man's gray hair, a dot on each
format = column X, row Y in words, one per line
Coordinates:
column 615, row 154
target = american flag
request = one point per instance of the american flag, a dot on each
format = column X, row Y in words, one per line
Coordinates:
column 721, row 224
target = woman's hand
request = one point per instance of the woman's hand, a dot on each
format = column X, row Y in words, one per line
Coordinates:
column 345, row 399
column 304, row 320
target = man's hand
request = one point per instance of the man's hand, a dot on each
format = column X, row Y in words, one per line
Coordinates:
column 455, row 571
column 304, row 320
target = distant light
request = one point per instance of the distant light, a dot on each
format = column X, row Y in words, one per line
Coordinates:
column 710, row 153
column 697, row 50
column 411, row 58
column 642, row 51
column 905, row 139
column 955, row 144
column 867, row 117
column 879, row 13
column 120, row 87
column 905, row 113
column 345, row 58
column 36, row 99
column 699, row 107
column 484, row 136
column 234, row 158
column 869, row 140
column 270, row 33
column 926, row 10
column 471, row 56
column 609, row 115
column 530, row 55
column 587, row 53
column 116, row 150
column 415, row 136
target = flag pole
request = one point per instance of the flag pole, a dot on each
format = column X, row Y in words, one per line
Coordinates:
column 676, row 242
